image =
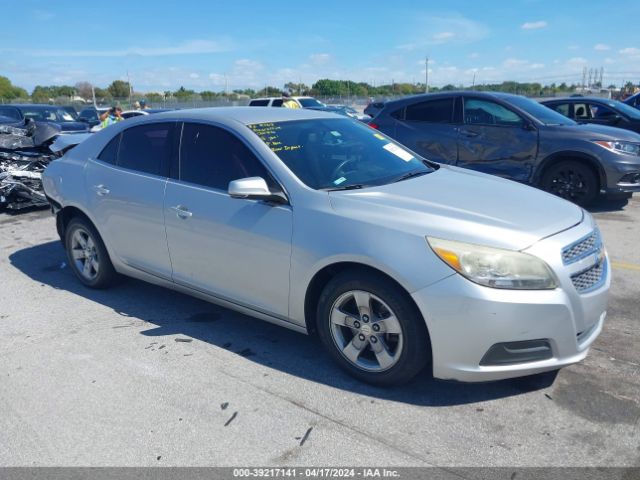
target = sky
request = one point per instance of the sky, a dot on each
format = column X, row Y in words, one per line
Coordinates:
column 212, row 45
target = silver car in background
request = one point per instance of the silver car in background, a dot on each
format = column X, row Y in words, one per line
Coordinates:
column 321, row 224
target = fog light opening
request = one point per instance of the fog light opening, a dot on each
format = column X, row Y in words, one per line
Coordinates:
column 509, row 353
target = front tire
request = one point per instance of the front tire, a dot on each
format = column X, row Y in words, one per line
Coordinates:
column 571, row 180
column 372, row 329
column 87, row 254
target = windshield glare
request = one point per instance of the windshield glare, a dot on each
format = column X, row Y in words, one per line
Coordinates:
column 310, row 102
column 336, row 154
column 624, row 109
column 540, row 112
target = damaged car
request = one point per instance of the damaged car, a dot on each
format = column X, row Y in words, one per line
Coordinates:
column 26, row 148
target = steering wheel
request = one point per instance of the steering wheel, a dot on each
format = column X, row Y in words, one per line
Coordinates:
column 341, row 165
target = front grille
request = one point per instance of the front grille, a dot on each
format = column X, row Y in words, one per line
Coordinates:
column 582, row 248
column 589, row 279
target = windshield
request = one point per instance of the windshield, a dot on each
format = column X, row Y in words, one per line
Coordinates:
column 539, row 111
column 624, row 109
column 337, row 154
column 310, row 102
column 52, row 114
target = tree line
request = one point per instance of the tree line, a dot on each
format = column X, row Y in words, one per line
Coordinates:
column 119, row 89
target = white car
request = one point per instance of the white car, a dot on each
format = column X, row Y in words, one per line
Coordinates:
column 304, row 102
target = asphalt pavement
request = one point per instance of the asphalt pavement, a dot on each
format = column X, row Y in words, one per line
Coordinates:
column 138, row 375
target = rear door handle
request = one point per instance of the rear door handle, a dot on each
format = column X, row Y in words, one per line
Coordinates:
column 101, row 190
column 182, row 212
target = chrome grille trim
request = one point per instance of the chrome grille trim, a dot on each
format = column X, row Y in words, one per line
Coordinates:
column 591, row 278
column 582, row 248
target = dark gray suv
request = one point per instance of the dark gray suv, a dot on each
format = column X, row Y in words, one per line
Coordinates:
column 517, row 138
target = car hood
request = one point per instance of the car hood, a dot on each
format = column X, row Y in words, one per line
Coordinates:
column 462, row 205
column 590, row 131
column 72, row 126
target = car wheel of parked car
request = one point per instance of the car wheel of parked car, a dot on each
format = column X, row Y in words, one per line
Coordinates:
column 572, row 181
column 372, row 329
column 87, row 254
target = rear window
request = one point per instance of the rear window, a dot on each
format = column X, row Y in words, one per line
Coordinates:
column 258, row 103
column 432, row 111
column 146, row 148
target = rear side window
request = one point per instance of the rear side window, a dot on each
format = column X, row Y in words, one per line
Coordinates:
column 109, row 154
column 10, row 112
column 213, row 157
column 146, row 148
column 432, row 111
column 258, row 103
column 277, row 102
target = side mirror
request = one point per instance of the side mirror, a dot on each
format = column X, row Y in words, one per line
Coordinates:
column 615, row 119
column 254, row 188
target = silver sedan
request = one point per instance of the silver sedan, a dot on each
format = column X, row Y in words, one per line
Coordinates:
column 320, row 224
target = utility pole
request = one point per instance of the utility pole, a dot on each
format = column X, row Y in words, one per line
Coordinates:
column 129, row 83
column 93, row 94
column 426, row 75
column 473, row 83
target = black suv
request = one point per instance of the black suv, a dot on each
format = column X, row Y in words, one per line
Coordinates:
column 516, row 138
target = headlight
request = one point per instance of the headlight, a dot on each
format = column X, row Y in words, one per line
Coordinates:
column 494, row 267
column 620, row 147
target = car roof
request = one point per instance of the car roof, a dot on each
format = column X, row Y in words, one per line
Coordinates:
column 452, row 93
column 33, row 105
column 578, row 99
column 246, row 115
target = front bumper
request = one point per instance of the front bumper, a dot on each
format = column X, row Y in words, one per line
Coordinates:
column 623, row 176
column 465, row 319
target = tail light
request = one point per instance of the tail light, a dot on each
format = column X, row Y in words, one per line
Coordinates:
column 373, row 125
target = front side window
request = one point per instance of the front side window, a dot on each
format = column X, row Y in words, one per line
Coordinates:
column 484, row 112
column 146, row 148
column 212, row 157
column 277, row 102
column 338, row 154
column 581, row 111
column 310, row 103
column 432, row 111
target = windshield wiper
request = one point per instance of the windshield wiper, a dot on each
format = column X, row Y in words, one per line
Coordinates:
column 410, row 175
column 355, row 186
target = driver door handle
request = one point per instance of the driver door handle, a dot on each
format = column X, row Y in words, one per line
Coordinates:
column 101, row 190
column 182, row 212
column 469, row 133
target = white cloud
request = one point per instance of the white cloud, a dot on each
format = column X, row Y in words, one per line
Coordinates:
column 601, row 47
column 443, row 36
column 194, row 75
column 474, row 55
column 630, row 51
column 577, row 61
column 185, row 48
column 320, row 58
column 446, row 29
column 514, row 63
column 534, row 25
column 573, row 47
column 536, row 66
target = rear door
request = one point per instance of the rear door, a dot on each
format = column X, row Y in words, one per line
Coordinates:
column 428, row 128
column 495, row 139
column 236, row 249
column 126, row 191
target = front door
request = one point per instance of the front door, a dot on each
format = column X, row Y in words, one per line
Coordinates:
column 236, row 249
column 496, row 140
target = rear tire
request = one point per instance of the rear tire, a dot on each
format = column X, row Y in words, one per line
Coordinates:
column 571, row 180
column 371, row 328
column 87, row 255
